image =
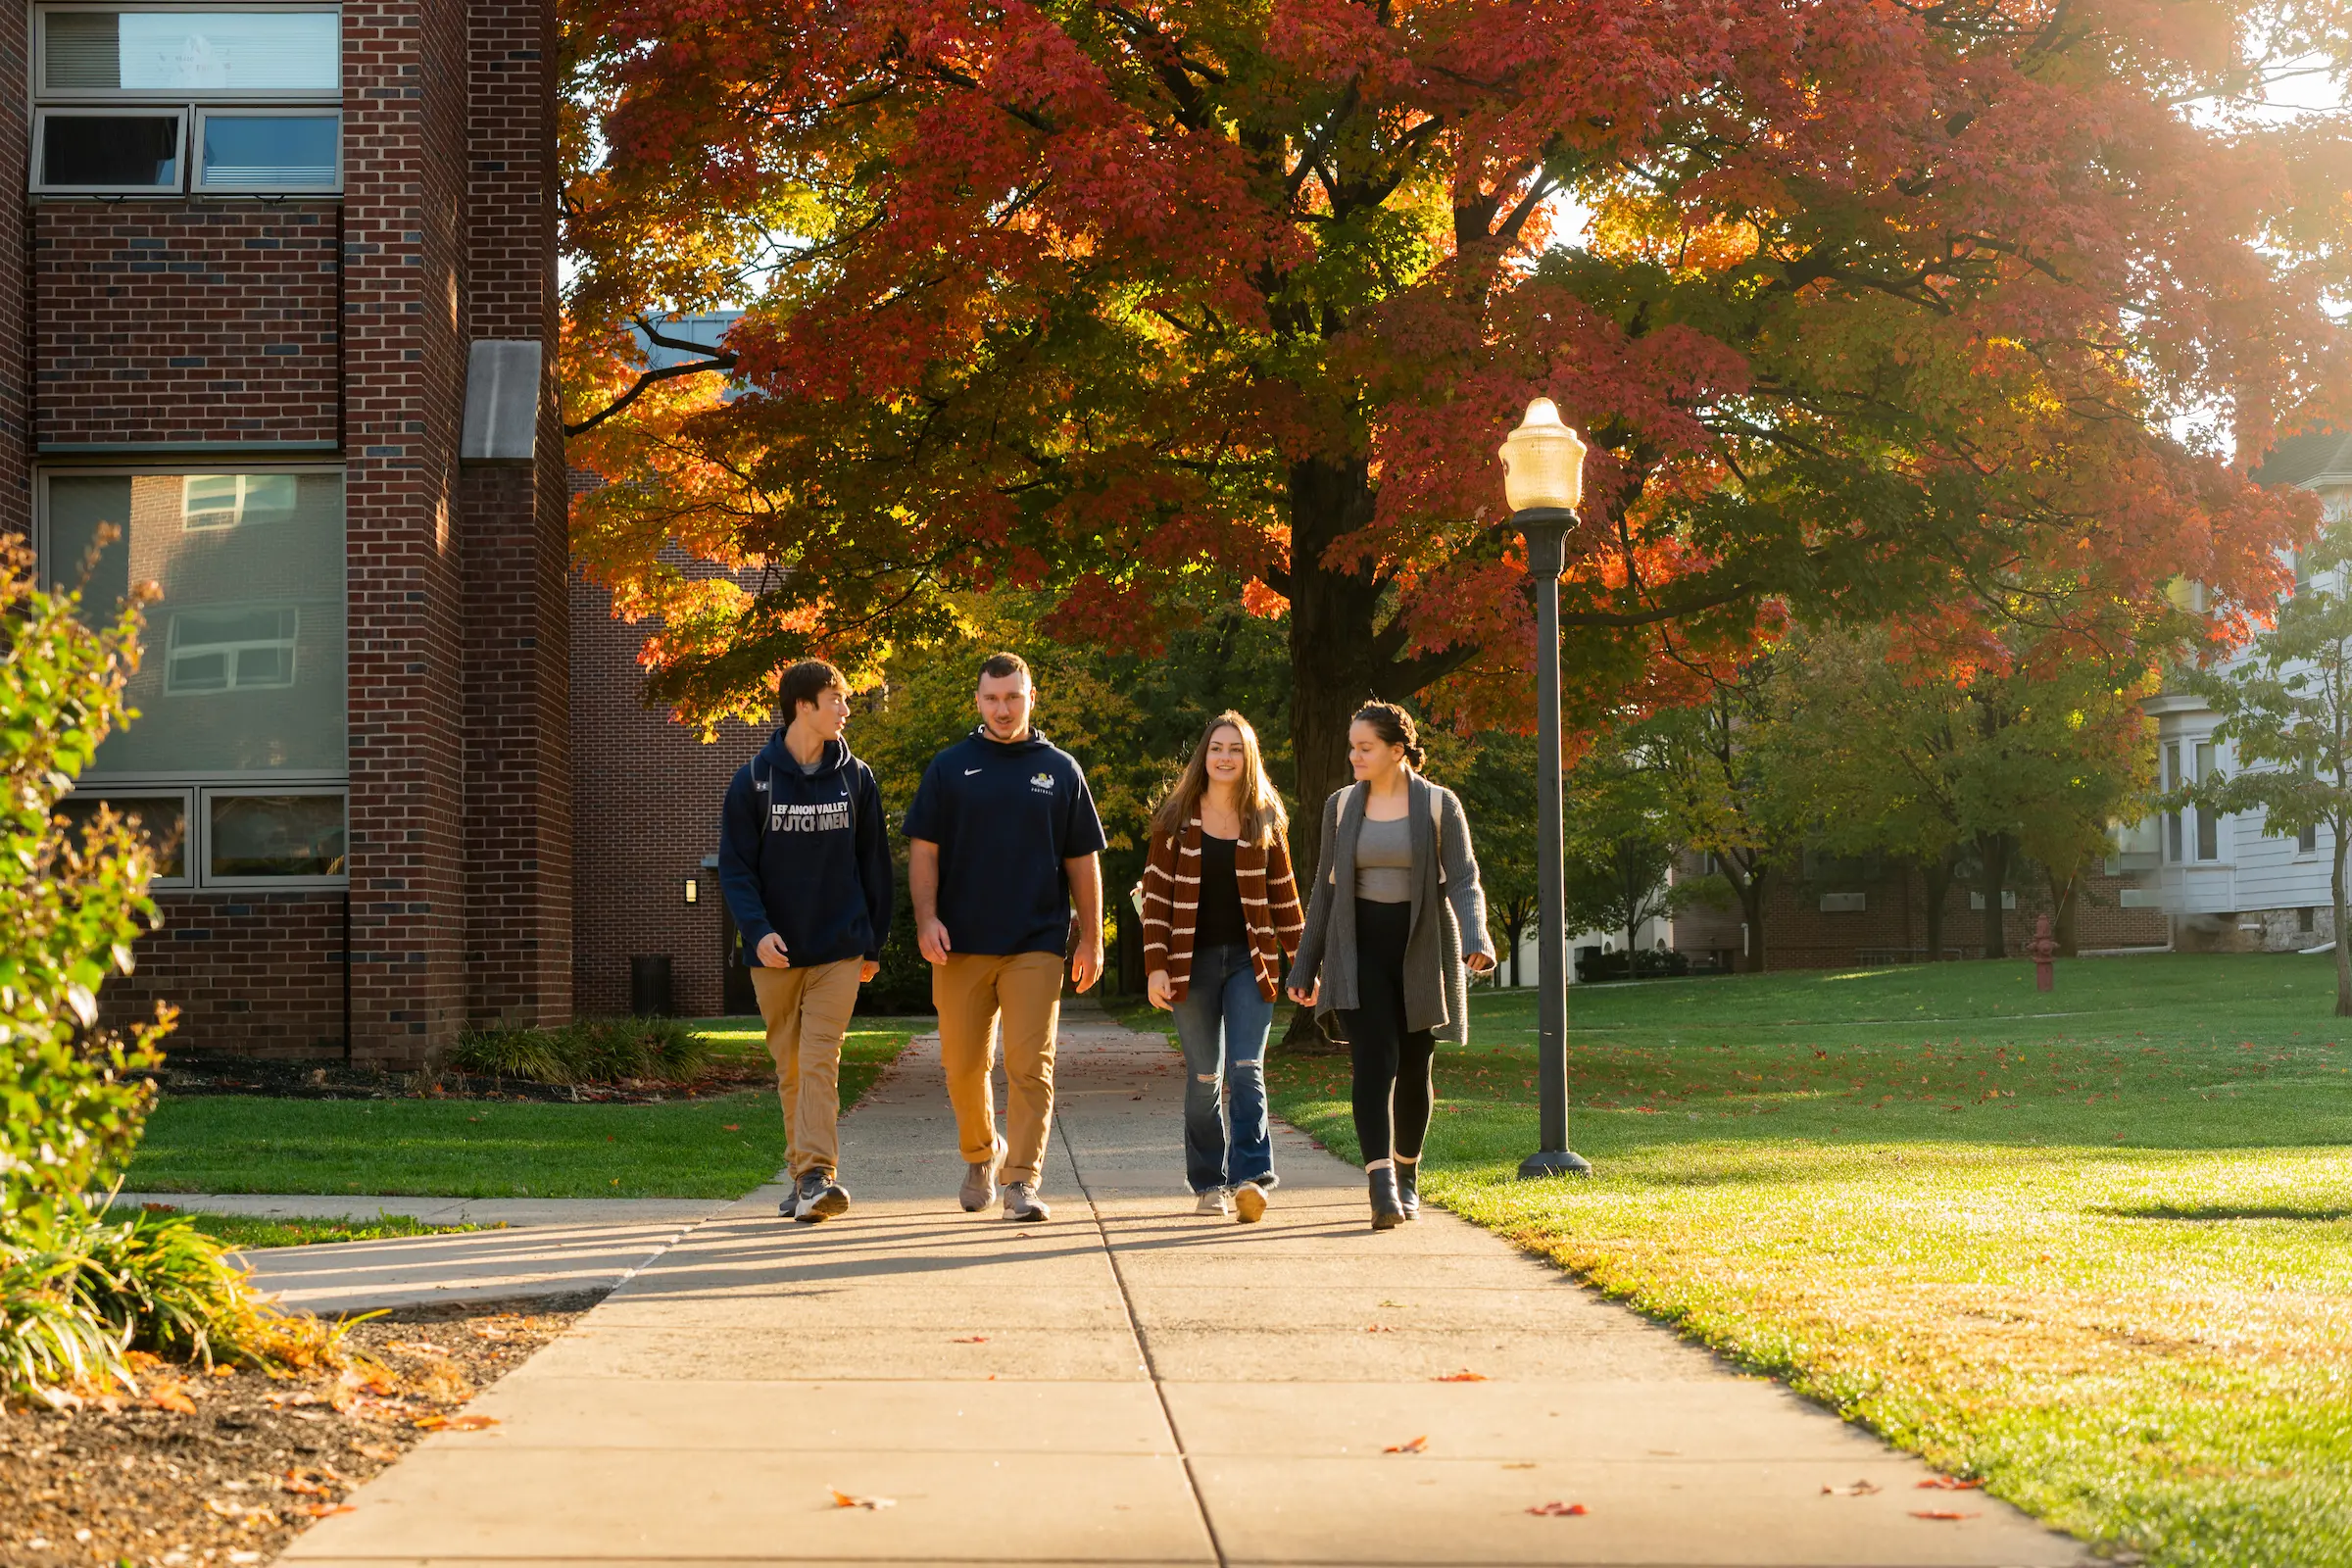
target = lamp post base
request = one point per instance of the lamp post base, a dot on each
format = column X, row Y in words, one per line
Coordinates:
column 1555, row 1162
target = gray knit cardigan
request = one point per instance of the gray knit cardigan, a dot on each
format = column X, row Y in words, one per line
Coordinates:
column 1448, row 906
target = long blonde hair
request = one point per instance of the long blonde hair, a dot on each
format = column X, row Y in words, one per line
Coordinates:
column 1261, row 811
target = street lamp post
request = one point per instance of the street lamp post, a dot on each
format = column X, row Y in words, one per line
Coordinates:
column 1543, row 466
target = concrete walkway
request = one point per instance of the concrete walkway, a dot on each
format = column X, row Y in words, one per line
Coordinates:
column 507, row 1211
column 1132, row 1384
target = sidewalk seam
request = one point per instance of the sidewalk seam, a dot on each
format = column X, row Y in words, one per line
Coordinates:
column 1143, row 1344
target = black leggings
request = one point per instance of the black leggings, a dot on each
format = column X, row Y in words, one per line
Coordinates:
column 1393, row 1064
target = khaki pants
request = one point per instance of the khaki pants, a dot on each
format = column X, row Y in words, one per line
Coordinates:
column 972, row 992
column 806, row 1013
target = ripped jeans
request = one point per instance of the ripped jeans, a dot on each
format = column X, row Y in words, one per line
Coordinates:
column 1222, row 1023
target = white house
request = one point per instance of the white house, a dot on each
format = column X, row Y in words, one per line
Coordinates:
column 2228, row 886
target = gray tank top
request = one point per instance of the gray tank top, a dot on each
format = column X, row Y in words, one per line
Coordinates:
column 1384, row 861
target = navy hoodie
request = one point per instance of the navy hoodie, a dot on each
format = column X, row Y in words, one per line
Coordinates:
column 1004, row 817
column 807, row 855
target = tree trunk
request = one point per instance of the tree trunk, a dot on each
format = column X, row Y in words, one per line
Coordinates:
column 1752, row 912
column 1936, row 879
column 1992, row 854
column 1334, row 619
column 2066, row 898
column 2343, row 949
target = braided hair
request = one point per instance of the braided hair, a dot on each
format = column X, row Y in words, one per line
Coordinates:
column 1395, row 726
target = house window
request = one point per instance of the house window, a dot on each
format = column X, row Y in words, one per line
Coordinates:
column 2172, row 819
column 2307, row 842
column 160, row 100
column 2209, row 826
column 231, row 650
column 241, row 697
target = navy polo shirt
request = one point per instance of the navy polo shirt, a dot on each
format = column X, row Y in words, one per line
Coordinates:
column 1004, row 817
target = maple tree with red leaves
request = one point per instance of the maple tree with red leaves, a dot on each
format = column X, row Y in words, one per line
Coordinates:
column 1872, row 309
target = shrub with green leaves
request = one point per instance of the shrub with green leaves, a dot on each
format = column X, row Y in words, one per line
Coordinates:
column 591, row 1050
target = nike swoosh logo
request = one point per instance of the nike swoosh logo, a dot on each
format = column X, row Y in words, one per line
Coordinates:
column 969, row 772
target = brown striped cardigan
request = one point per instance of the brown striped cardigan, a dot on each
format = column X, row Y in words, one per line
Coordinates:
column 1172, row 891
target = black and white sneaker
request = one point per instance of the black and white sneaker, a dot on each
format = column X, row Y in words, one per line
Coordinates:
column 819, row 1197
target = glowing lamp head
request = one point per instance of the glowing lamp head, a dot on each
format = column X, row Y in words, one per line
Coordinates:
column 1542, row 462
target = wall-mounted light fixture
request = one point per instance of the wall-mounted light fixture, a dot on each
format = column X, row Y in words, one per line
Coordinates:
column 694, row 890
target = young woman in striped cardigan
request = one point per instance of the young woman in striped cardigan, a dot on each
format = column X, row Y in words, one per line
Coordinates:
column 1221, row 920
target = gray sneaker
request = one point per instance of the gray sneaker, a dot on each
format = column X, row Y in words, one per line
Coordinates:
column 819, row 1197
column 979, row 1188
column 1214, row 1202
column 1022, row 1203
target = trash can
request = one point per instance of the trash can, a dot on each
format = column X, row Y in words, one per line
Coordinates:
column 649, row 986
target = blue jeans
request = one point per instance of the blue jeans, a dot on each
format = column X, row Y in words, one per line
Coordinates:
column 1222, row 1023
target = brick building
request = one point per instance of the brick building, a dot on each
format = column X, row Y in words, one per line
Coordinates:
column 289, row 275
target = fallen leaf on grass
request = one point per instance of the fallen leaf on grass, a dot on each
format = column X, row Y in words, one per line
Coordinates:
column 969, row 1338
column 326, row 1510
column 307, row 1484
column 1465, row 1375
column 488, row 1331
column 1949, row 1484
column 453, row 1423
column 238, row 1510
column 172, row 1397
column 225, row 1371
column 382, row 1452
column 1416, row 1446
column 415, row 1347
column 1940, row 1513
column 1558, row 1510
column 731, row 1127
column 281, row 1400
column 1860, row 1488
column 842, row 1500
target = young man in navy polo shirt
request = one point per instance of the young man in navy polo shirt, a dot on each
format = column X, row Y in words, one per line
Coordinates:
column 1003, row 840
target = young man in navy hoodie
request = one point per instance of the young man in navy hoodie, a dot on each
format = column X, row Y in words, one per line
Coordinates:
column 804, row 856
column 1004, row 835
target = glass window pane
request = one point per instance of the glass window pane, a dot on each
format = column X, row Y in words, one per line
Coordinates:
column 193, row 51
column 161, row 819
column 275, row 835
column 134, row 151
column 269, row 152
column 245, row 653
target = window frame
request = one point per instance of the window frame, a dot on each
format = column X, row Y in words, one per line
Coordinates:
column 193, row 137
column 291, row 642
column 44, row 115
column 185, row 794
column 43, row 94
column 206, row 795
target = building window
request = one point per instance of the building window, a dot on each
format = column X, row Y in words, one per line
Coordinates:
column 2307, row 842
column 162, row 100
column 242, row 694
column 2306, row 919
column 2172, row 819
column 159, row 817
column 2209, row 826
column 231, row 650
column 2201, row 831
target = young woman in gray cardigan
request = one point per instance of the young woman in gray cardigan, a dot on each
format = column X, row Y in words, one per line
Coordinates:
column 1397, row 915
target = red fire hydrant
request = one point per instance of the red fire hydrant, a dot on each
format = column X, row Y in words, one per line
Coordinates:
column 2043, row 948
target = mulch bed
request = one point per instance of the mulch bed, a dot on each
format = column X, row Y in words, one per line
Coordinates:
column 311, row 1080
column 227, row 1468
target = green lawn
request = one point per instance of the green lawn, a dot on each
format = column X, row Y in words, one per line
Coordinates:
column 720, row 1147
column 2093, row 1247
column 248, row 1232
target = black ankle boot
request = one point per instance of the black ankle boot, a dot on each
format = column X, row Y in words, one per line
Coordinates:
column 1386, row 1214
column 1408, row 1188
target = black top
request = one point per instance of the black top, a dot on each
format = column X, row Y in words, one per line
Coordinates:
column 1006, row 819
column 1218, row 922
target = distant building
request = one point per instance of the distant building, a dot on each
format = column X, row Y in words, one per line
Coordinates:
column 2225, row 884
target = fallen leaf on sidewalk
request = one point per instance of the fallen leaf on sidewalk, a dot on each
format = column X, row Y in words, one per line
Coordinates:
column 1949, row 1484
column 1940, row 1513
column 1559, row 1510
column 326, row 1510
column 1860, row 1488
column 969, row 1338
column 172, row 1397
column 1416, row 1446
column 380, row 1451
column 453, row 1423
column 1520, row 1464
column 1378, row 1328
column 1465, row 1375
column 842, row 1500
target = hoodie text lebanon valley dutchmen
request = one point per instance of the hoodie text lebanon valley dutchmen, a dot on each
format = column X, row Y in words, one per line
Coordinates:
column 807, row 855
